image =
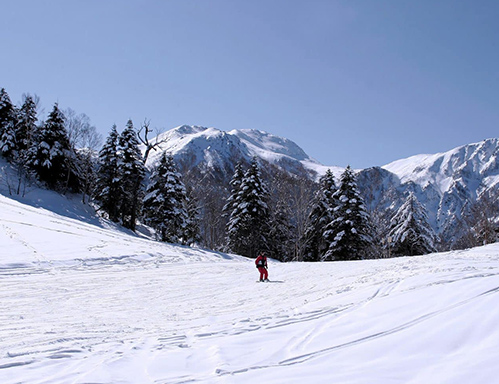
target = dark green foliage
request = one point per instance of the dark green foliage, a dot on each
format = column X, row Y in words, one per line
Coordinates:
column 108, row 189
column 350, row 232
column 281, row 228
column 165, row 203
column 321, row 214
column 8, row 121
column 410, row 233
column 248, row 227
column 26, row 125
column 235, row 185
column 192, row 231
column 131, row 176
column 51, row 156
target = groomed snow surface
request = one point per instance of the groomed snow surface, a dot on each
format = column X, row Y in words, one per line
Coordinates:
column 82, row 301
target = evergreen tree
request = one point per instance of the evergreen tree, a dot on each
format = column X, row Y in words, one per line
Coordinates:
column 7, row 125
column 321, row 214
column 165, row 203
column 6, row 109
column 26, row 125
column 350, row 230
column 410, row 232
column 281, row 245
column 108, row 190
column 235, row 185
column 192, row 232
column 17, row 139
column 132, row 174
column 51, row 155
column 248, row 227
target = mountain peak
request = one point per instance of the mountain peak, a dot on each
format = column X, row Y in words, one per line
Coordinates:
column 211, row 147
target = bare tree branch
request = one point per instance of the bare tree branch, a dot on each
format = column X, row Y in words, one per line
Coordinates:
column 143, row 135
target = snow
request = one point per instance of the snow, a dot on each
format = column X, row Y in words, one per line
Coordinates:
column 478, row 159
column 215, row 146
column 82, row 301
column 268, row 146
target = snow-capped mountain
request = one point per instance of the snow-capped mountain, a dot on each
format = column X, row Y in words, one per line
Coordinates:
column 444, row 183
column 447, row 182
column 211, row 149
column 443, row 170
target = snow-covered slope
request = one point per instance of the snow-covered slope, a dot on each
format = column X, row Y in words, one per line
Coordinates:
column 82, row 301
column 46, row 229
column 213, row 149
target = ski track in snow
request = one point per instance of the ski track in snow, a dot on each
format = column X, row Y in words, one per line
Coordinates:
column 81, row 303
column 103, row 313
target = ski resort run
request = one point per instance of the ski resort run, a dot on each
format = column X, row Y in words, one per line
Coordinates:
column 83, row 301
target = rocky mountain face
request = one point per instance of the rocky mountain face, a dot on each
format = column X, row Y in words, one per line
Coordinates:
column 214, row 152
column 447, row 184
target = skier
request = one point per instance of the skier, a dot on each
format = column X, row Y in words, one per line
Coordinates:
column 261, row 264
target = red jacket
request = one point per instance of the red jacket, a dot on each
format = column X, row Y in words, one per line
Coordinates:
column 261, row 261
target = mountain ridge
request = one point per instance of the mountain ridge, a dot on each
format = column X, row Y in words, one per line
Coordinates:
column 215, row 148
column 446, row 183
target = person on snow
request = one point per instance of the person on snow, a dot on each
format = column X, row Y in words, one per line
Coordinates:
column 261, row 264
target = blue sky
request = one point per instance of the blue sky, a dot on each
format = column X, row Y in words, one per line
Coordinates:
column 352, row 82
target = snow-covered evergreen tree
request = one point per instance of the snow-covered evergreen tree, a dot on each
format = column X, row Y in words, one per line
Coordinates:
column 165, row 203
column 235, row 186
column 6, row 109
column 108, row 191
column 192, row 232
column 280, row 242
column 248, row 227
column 321, row 214
column 410, row 232
column 26, row 128
column 8, row 120
column 350, row 230
column 132, row 173
column 51, row 155
column 17, row 138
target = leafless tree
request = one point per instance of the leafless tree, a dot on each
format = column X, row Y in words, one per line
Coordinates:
column 17, row 179
column 143, row 135
column 85, row 141
column 479, row 222
column 292, row 193
column 212, row 225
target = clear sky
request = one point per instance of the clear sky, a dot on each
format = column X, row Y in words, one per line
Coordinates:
column 359, row 82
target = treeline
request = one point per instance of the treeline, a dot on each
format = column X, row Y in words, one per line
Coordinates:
column 48, row 150
column 62, row 153
column 126, row 194
column 287, row 215
column 292, row 222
